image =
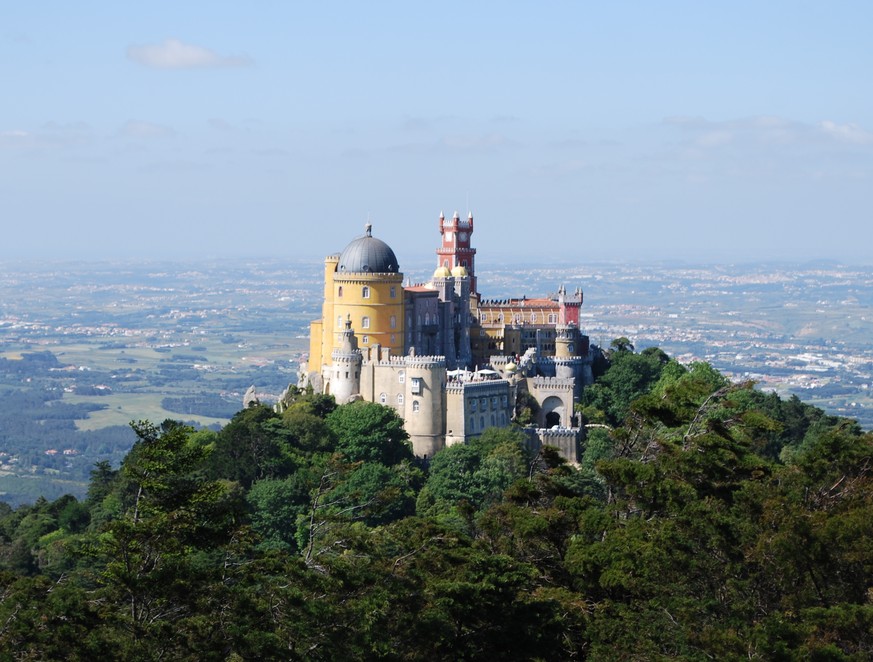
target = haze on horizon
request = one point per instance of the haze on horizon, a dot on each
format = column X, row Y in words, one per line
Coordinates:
column 642, row 131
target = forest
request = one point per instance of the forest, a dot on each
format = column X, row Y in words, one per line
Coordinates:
column 707, row 520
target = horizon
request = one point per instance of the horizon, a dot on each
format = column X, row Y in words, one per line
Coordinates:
column 678, row 131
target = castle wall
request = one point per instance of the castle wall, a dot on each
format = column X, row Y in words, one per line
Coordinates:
column 473, row 407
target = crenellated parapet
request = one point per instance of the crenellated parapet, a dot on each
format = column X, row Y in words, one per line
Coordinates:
column 425, row 362
column 553, row 383
column 339, row 356
column 556, row 435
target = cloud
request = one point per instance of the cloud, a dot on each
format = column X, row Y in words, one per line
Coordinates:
column 146, row 130
column 848, row 133
column 220, row 124
column 174, row 54
column 489, row 143
column 766, row 131
column 50, row 135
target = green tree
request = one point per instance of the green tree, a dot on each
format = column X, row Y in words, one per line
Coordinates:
column 370, row 432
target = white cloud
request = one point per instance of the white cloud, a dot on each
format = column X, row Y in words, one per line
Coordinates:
column 140, row 129
column 174, row 54
column 849, row 133
column 767, row 131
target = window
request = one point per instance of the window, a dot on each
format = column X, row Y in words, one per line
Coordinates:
column 503, row 400
column 401, row 377
column 393, row 339
column 399, row 398
column 339, row 321
column 553, row 319
column 472, row 423
column 339, row 292
column 517, row 318
column 365, row 322
column 365, row 339
column 416, row 386
column 393, row 321
column 464, row 263
column 427, row 318
column 393, row 292
column 481, row 422
column 383, row 398
column 533, row 318
column 365, row 292
column 494, row 402
column 473, row 404
column 416, row 406
column 493, row 420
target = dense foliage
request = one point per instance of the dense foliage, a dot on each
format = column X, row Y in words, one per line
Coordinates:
column 707, row 520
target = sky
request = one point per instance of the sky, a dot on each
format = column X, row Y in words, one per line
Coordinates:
column 696, row 131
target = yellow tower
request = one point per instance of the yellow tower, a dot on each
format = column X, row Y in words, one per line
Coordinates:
column 362, row 285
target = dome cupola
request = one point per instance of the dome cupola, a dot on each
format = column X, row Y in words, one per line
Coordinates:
column 368, row 255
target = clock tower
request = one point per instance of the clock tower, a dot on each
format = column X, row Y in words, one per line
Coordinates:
column 455, row 250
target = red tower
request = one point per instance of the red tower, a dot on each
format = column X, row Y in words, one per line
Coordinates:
column 455, row 250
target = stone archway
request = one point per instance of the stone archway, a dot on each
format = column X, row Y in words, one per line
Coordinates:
column 552, row 412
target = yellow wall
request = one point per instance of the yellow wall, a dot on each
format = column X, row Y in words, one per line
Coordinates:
column 344, row 297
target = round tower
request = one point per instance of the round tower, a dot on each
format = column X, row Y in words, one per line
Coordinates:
column 345, row 371
column 425, row 404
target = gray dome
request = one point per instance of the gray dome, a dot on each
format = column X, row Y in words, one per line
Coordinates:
column 368, row 254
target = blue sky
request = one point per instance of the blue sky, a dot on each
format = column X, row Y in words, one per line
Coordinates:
column 587, row 131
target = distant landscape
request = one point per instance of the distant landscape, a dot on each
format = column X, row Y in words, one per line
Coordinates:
column 85, row 348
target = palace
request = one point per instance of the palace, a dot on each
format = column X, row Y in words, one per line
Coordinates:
column 451, row 363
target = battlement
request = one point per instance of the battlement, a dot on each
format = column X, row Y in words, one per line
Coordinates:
column 551, row 434
column 338, row 356
column 425, row 361
column 554, row 383
column 486, row 387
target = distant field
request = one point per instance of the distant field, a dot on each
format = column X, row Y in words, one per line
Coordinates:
column 27, row 489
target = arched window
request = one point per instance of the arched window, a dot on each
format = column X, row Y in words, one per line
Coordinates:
column 416, row 405
column 394, row 321
column 339, row 321
column 393, row 292
column 399, row 398
column 533, row 318
column 365, row 292
column 383, row 398
column 340, row 291
column 365, row 322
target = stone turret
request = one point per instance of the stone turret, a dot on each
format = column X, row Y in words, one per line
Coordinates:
column 345, row 377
